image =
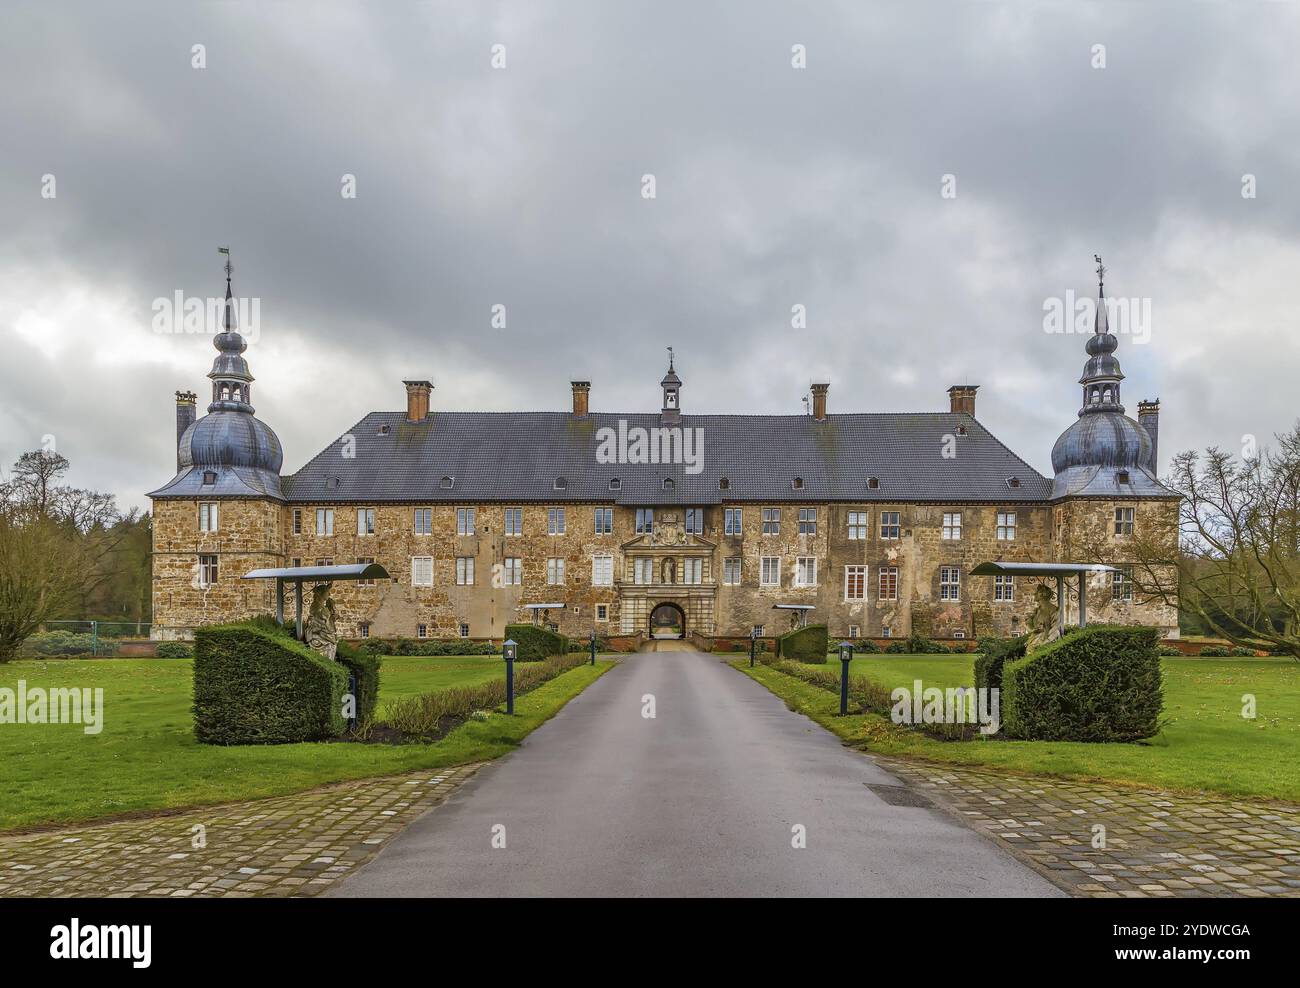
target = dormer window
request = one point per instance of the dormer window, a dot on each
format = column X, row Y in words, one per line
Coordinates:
column 1122, row 477
column 385, row 429
column 873, row 483
column 1013, row 482
column 797, row 484
column 724, row 484
column 669, row 484
column 447, row 483
column 616, row 484
column 209, row 478
column 561, row 484
column 961, row 430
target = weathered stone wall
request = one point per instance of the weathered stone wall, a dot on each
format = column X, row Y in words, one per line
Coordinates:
column 254, row 534
column 248, row 537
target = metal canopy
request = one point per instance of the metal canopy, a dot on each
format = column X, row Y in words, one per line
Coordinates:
column 542, row 607
column 298, row 575
column 800, row 609
column 1058, row 570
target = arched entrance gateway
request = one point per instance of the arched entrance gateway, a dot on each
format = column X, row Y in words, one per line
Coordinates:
column 667, row 620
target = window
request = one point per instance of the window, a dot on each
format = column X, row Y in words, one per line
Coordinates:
column 207, row 570
column 209, row 478
column 514, row 521
column 771, row 521
column 364, row 628
column 421, row 631
column 365, row 561
column 884, row 631
column 805, row 571
column 724, row 484
column 296, row 562
column 889, row 525
column 873, row 483
column 694, row 521
column 1004, row 588
column 887, row 583
column 327, row 561
column 756, row 631
column 952, row 526
column 959, row 634
column 554, row 572
column 602, row 612
column 1123, row 521
column 604, row 521
column 855, row 583
column 643, row 570
column 731, row 571
column 365, row 521
column 807, row 521
column 447, row 483
column 645, row 521
column 797, row 484
column 421, row 571
column 1122, row 477
column 561, row 484
column 602, row 571
column 464, row 521
column 464, row 630
column 857, row 525
column 512, row 571
column 732, row 521
column 769, row 574
column 1121, row 582
column 554, row 521
column 208, row 516
column 297, row 521
column 324, row 521
column 1006, row 526
column 949, row 583
column 423, row 521
column 615, row 484
column 692, row 570
column 464, row 571
column 854, row 631
column 669, row 484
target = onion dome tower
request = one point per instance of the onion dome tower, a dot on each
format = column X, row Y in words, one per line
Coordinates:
column 1104, row 452
column 228, row 452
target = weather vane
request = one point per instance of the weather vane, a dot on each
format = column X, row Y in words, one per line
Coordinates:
column 670, row 358
column 1101, row 270
column 229, row 268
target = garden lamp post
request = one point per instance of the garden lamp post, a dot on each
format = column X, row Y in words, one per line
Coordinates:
column 508, row 652
column 593, row 646
column 846, row 656
column 753, row 645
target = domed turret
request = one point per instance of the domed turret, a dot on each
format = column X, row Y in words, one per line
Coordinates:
column 228, row 451
column 1105, row 451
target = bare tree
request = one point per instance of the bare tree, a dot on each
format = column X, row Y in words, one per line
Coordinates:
column 1234, row 547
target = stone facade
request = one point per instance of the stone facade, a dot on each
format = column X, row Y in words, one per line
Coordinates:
column 253, row 534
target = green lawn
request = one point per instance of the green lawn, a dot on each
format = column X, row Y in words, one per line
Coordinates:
column 1205, row 745
column 146, row 757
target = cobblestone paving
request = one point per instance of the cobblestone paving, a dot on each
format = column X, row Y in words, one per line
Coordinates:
column 1157, row 844
column 288, row 845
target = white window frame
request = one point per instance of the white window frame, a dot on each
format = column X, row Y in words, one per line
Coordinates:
column 1124, row 519
column 602, row 570
column 771, row 521
column 769, row 571
column 645, row 521
column 733, row 521
column 422, row 521
column 513, row 521
column 807, row 521
column 555, row 521
column 1121, row 584
column 861, row 572
column 951, row 526
column 209, row 516
column 694, row 521
column 805, row 567
column 692, row 570
column 463, row 628
column 464, row 571
column 604, row 521
column 950, row 583
column 643, row 570
column 1006, row 526
column 891, row 521
column 325, row 521
column 297, row 521
column 733, row 571
column 421, row 631
column 418, row 564
column 602, row 613
column 209, row 569
column 1004, row 589
column 859, row 523
column 465, row 519
column 890, row 574
column 855, row 631
column 555, row 571
column 512, row 570
column 365, row 521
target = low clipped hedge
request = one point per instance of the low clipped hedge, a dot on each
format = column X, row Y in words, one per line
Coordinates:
column 804, row 644
column 1098, row 684
column 175, row 650
column 995, row 653
column 253, row 685
column 535, row 642
column 426, row 646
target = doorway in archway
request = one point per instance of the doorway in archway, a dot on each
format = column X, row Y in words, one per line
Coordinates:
column 667, row 620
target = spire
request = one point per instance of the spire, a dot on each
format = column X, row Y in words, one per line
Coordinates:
column 1101, row 374
column 231, row 379
column 672, row 385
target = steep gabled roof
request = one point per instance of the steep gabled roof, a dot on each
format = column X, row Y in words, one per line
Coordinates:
column 518, row 456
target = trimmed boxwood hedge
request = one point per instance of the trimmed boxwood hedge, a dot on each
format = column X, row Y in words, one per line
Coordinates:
column 253, row 685
column 804, row 644
column 535, row 642
column 1097, row 684
column 995, row 652
column 366, row 669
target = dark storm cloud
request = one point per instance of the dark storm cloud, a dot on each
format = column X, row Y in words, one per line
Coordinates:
column 521, row 186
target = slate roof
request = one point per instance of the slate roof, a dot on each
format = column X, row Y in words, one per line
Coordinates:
column 517, row 457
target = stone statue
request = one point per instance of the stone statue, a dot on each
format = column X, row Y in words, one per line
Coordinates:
column 320, row 630
column 1044, row 622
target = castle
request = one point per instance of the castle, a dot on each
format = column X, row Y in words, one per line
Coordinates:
column 632, row 523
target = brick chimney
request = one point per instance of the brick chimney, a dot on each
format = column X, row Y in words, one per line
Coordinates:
column 962, row 398
column 417, row 400
column 819, row 401
column 184, row 419
column 1149, row 419
column 581, row 392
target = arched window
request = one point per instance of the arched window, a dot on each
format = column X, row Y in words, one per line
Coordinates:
column 669, row 483
column 724, row 484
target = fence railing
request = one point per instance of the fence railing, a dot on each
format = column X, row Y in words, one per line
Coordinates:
column 86, row 638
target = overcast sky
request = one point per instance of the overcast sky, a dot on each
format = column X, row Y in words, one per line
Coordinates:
column 522, row 186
